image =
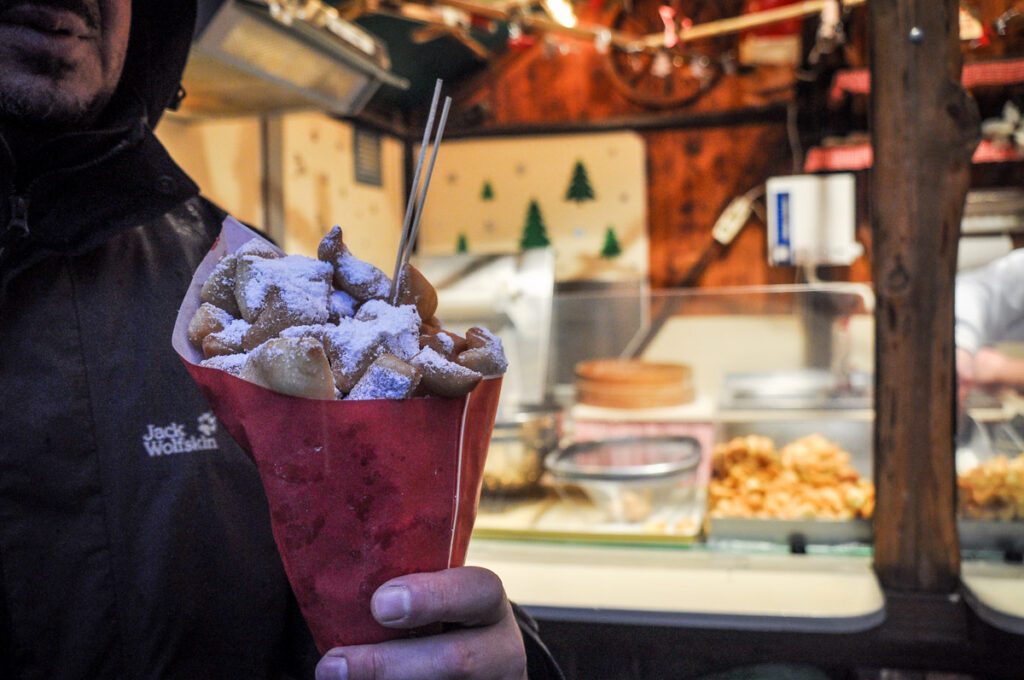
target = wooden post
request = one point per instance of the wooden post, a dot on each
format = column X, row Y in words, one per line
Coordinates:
column 924, row 131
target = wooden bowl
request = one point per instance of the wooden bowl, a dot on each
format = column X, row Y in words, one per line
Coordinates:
column 632, row 384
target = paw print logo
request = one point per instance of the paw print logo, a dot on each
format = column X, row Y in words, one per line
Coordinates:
column 207, row 424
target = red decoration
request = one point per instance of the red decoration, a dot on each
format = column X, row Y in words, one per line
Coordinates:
column 522, row 42
column 482, row 23
column 860, row 157
column 668, row 17
column 979, row 74
column 778, row 29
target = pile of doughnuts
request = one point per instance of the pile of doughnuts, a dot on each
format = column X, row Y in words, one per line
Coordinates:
column 994, row 490
column 811, row 478
column 323, row 328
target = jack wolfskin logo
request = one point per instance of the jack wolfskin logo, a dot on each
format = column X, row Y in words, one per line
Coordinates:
column 207, row 424
column 175, row 438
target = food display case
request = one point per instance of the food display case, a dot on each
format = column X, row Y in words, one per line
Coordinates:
column 777, row 367
column 990, row 474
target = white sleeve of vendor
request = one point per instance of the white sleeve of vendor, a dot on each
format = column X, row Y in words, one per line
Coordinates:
column 990, row 303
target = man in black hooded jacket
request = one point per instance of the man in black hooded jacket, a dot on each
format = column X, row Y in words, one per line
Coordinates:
column 118, row 560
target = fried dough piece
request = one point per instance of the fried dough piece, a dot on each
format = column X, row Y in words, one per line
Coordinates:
column 231, row 363
column 351, row 347
column 207, row 319
column 361, row 280
column 477, row 337
column 219, row 288
column 340, row 306
column 485, row 354
column 387, row 378
column 294, row 366
column 259, row 248
column 247, row 305
column 399, row 326
column 226, row 341
column 442, row 377
column 430, row 326
column 274, row 318
column 303, row 284
column 447, row 344
column 331, row 246
column 414, row 289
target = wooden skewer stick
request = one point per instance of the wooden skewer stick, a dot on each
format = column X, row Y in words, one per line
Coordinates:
column 413, row 190
column 426, row 184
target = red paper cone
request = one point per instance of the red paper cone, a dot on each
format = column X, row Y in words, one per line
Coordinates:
column 359, row 492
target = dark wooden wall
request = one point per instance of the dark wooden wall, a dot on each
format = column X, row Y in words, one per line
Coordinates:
column 699, row 156
column 692, row 176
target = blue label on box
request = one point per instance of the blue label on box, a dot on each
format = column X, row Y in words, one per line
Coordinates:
column 782, row 220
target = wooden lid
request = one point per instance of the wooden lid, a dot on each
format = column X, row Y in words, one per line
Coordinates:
column 614, row 383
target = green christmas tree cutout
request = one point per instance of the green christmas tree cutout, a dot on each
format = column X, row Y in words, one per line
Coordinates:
column 611, row 247
column 462, row 244
column 579, row 188
column 535, row 234
column 487, row 193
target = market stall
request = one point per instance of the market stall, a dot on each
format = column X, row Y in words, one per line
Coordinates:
column 719, row 242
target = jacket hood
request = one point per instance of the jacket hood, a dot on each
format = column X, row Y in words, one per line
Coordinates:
column 161, row 36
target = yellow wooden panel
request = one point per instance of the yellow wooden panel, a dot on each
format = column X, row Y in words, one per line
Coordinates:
column 223, row 157
column 319, row 189
column 522, row 169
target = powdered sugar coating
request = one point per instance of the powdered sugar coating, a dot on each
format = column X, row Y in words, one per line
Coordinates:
column 207, row 319
column 316, row 331
column 381, row 382
column 342, row 305
column 232, row 363
column 303, row 283
column 259, row 248
column 443, row 377
column 233, row 332
column 219, row 287
column 485, row 354
column 429, row 360
column 371, row 281
column 489, row 337
column 493, row 350
column 350, row 345
column 446, row 341
column 399, row 327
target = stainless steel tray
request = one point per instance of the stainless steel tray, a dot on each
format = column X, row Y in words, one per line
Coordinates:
column 977, row 534
column 807, row 389
column 790, row 532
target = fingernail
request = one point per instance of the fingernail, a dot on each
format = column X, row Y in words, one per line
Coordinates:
column 332, row 668
column 391, row 604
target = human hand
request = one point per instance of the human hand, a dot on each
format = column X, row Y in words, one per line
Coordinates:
column 487, row 646
column 990, row 367
column 964, row 375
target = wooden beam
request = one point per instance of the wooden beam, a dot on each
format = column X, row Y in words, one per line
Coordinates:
column 924, row 130
column 768, row 113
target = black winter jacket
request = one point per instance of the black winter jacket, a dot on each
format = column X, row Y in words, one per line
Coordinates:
column 118, row 560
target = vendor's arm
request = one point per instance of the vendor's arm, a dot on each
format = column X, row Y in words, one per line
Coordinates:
column 992, row 368
column 990, row 304
column 486, row 643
